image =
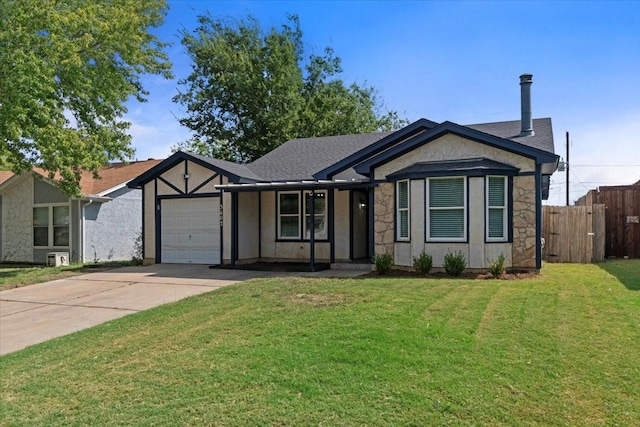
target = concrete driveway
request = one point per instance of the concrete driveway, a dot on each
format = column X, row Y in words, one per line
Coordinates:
column 37, row 313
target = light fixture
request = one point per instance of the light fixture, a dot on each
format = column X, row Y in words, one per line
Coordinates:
column 186, row 176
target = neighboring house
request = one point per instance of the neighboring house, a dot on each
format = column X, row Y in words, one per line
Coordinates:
column 622, row 218
column 103, row 224
column 437, row 187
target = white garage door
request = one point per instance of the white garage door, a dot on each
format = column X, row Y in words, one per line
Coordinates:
column 191, row 231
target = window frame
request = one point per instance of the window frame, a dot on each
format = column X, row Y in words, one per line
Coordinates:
column 464, row 208
column 280, row 215
column 503, row 207
column 50, row 225
column 399, row 210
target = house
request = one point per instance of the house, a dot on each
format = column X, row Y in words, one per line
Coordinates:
column 103, row 224
column 437, row 187
column 622, row 218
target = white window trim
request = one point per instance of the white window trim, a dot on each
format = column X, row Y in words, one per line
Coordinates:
column 398, row 210
column 505, row 235
column 298, row 215
column 306, row 214
column 428, row 211
column 50, row 225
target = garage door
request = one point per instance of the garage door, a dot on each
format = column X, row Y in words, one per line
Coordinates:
column 191, row 231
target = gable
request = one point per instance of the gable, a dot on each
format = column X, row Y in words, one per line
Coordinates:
column 450, row 147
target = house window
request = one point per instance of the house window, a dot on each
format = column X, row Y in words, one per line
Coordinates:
column 289, row 215
column 446, row 209
column 319, row 215
column 496, row 208
column 402, row 210
column 51, row 226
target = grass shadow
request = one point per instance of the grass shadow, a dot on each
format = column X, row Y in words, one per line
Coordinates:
column 627, row 271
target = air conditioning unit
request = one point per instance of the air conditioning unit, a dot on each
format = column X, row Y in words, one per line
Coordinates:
column 56, row 259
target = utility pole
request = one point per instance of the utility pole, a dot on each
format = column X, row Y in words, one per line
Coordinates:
column 567, row 168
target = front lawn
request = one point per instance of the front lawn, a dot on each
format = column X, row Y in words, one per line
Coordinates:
column 558, row 349
column 17, row 275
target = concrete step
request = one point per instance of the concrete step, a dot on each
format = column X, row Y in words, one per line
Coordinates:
column 352, row 266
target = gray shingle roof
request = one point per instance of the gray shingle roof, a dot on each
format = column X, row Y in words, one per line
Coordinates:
column 542, row 138
column 234, row 168
column 299, row 159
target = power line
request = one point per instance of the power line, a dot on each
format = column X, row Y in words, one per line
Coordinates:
column 606, row 166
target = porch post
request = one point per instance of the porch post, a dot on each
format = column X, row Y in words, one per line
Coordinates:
column 312, row 237
column 234, row 228
column 371, row 223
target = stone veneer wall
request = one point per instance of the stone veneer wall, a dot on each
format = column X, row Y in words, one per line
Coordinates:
column 18, row 222
column 524, row 222
column 384, row 218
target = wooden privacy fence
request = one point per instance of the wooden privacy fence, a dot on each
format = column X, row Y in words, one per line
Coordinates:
column 573, row 233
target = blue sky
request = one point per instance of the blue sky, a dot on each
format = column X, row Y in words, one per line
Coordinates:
column 457, row 61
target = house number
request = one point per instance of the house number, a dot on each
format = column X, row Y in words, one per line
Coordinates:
column 633, row 219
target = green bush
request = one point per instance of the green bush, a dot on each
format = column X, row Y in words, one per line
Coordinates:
column 496, row 267
column 454, row 263
column 383, row 263
column 422, row 263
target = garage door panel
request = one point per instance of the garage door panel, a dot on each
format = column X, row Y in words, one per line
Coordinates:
column 190, row 231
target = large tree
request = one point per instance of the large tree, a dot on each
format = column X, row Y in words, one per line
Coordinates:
column 250, row 90
column 66, row 70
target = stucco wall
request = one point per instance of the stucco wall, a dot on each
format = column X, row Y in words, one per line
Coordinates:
column 248, row 226
column 341, row 225
column 17, row 222
column 112, row 228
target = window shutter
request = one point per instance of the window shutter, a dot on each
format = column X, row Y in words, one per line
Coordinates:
column 496, row 191
column 496, row 207
column 445, row 193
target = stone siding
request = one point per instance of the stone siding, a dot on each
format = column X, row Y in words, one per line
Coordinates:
column 384, row 218
column 18, row 222
column 524, row 222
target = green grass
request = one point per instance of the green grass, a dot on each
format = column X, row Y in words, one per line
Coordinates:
column 18, row 275
column 559, row 349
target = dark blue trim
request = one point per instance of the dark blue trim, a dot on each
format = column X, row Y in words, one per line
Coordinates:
column 221, row 195
column 538, row 216
column 331, row 226
column 375, row 148
column 143, row 231
column 371, row 223
column 171, row 185
column 312, row 231
column 509, row 207
column 186, row 181
column 396, row 225
column 475, row 167
column 205, row 182
column 259, row 225
column 532, row 173
column 540, row 156
column 156, row 208
column 174, row 160
column 426, row 212
column 190, row 196
column 234, row 228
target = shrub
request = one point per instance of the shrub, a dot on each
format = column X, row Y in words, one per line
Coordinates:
column 422, row 263
column 496, row 267
column 383, row 263
column 454, row 263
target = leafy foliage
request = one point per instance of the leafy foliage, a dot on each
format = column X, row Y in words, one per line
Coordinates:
column 422, row 263
column 454, row 263
column 496, row 267
column 383, row 263
column 252, row 90
column 66, row 70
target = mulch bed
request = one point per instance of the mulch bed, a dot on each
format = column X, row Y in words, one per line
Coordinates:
column 514, row 275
